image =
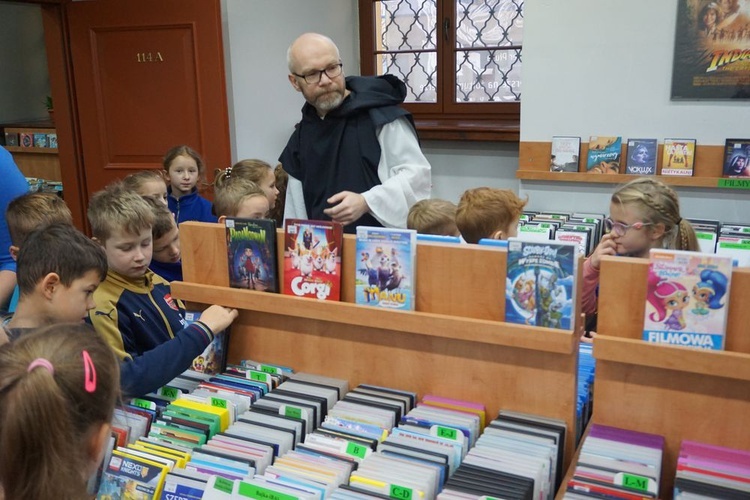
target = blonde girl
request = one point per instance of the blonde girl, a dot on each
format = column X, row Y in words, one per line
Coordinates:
column 149, row 184
column 58, row 388
column 644, row 214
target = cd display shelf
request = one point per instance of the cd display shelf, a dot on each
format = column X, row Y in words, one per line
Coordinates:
column 534, row 161
column 677, row 392
column 456, row 345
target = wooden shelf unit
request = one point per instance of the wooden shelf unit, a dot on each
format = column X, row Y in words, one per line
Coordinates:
column 454, row 346
column 42, row 163
column 677, row 392
column 534, row 160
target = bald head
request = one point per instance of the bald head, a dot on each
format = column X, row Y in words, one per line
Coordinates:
column 307, row 47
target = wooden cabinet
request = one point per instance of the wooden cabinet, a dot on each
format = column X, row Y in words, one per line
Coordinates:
column 455, row 344
column 677, row 392
column 40, row 162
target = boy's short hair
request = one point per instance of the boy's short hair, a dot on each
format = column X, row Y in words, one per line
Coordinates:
column 483, row 211
column 58, row 248
column 115, row 208
column 33, row 210
column 229, row 196
column 433, row 216
column 163, row 219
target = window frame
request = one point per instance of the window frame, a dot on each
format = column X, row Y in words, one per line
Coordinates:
column 445, row 119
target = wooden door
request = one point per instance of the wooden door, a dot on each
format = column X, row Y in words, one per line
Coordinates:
column 148, row 75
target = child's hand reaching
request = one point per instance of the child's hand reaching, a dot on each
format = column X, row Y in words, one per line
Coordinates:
column 218, row 318
column 607, row 246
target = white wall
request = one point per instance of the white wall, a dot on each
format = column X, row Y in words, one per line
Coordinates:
column 604, row 67
column 257, row 34
column 24, row 81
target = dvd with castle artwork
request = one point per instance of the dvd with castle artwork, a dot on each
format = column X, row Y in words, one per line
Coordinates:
column 540, row 283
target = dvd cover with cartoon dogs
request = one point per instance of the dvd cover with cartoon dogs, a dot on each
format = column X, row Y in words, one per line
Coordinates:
column 312, row 259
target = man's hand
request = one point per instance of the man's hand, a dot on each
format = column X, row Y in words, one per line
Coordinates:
column 607, row 246
column 347, row 207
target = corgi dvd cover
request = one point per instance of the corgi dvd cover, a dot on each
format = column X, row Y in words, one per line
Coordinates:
column 312, row 259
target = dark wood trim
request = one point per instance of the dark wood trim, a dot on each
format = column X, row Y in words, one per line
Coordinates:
column 60, row 68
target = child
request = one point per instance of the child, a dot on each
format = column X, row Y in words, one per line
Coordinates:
column 135, row 312
column 28, row 212
column 277, row 212
column 58, row 389
column 185, row 168
column 433, row 216
column 148, row 183
column 165, row 260
column 260, row 173
column 238, row 197
column 644, row 214
column 488, row 213
column 58, row 270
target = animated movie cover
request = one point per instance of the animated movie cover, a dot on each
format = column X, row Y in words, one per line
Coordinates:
column 540, row 284
column 312, row 259
column 251, row 247
column 687, row 297
column 712, row 50
column 385, row 267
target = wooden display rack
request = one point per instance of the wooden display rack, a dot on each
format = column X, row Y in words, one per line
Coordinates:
column 534, row 160
column 455, row 345
column 677, row 392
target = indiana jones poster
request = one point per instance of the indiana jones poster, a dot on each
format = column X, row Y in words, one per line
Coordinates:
column 712, row 50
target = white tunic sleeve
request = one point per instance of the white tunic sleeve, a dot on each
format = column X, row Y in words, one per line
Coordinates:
column 404, row 172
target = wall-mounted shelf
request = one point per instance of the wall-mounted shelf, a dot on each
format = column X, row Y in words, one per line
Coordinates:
column 37, row 162
column 534, row 159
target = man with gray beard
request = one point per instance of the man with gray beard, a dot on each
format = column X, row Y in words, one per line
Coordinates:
column 354, row 157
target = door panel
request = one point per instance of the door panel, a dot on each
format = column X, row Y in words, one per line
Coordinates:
column 149, row 75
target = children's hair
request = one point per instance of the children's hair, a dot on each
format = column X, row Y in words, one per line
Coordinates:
column 252, row 170
column 61, row 249
column 32, row 210
column 483, row 211
column 659, row 204
column 116, row 208
column 231, row 192
column 433, row 216
column 57, row 385
column 716, row 282
column 183, row 150
column 163, row 219
column 658, row 291
column 277, row 212
column 134, row 182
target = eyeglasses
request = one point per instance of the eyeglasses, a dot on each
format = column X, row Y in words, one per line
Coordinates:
column 314, row 77
column 619, row 229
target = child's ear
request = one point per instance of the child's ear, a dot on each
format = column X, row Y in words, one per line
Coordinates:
column 498, row 235
column 222, row 219
column 657, row 231
column 99, row 437
column 13, row 250
column 48, row 284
